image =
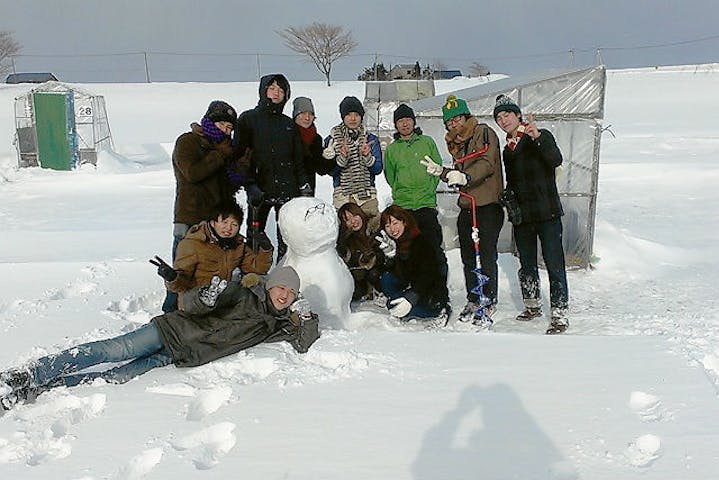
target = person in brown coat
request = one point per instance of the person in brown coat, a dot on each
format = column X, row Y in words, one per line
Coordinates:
column 199, row 162
column 481, row 177
column 215, row 248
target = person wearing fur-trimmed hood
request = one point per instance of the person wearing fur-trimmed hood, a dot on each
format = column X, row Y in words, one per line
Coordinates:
column 269, row 165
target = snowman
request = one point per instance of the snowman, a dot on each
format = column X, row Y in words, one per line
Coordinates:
column 309, row 227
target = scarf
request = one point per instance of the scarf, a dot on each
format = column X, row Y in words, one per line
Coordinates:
column 211, row 131
column 457, row 139
column 513, row 141
column 405, row 241
column 307, row 134
column 355, row 176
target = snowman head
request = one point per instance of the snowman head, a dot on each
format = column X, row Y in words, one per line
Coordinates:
column 308, row 225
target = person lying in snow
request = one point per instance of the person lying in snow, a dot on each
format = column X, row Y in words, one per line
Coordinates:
column 221, row 319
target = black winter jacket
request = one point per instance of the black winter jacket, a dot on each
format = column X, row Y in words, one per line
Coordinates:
column 530, row 170
column 416, row 263
column 276, row 164
column 243, row 317
column 314, row 163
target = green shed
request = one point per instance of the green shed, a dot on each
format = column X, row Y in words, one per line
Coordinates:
column 60, row 127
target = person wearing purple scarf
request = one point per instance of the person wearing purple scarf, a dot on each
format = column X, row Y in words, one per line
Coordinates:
column 199, row 161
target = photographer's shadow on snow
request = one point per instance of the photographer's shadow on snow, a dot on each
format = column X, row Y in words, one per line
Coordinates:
column 489, row 435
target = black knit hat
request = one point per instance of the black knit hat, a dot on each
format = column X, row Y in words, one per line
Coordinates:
column 404, row 111
column 220, row 111
column 351, row 104
column 505, row 104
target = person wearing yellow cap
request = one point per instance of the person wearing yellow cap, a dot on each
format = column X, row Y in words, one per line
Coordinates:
column 476, row 172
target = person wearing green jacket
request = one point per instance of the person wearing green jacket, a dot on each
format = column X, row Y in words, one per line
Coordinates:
column 412, row 188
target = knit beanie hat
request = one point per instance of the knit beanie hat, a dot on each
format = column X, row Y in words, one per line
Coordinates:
column 505, row 104
column 454, row 107
column 404, row 111
column 351, row 104
column 220, row 111
column 301, row 105
column 283, row 277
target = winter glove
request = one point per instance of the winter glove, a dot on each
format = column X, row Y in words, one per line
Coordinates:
column 455, row 178
column 387, row 244
column 306, row 190
column 509, row 200
column 263, row 242
column 249, row 280
column 163, row 269
column 209, row 293
column 399, row 307
column 431, row 166
column 329, row 151
column 475, row 234
column 300, row 310
column 255, row 196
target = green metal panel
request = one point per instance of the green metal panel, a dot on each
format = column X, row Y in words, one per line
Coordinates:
column 54, row 130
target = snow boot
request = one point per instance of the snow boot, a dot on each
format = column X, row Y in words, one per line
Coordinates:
column 442, row 318
column 530, row 313
column 17, row 378
column 26, row 394
column 559, row 321
column 467, row 313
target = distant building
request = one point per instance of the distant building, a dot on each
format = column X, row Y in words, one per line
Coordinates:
column 446, row 74
column 36, row 77
column 407, row 71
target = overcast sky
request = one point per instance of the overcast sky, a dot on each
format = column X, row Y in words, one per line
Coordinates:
column 509, row 37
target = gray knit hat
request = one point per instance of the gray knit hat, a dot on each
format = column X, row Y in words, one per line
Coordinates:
column 283, row 277
column 301, row 105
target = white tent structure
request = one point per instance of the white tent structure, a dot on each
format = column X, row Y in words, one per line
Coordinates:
column 59, row 126
column 570, row 103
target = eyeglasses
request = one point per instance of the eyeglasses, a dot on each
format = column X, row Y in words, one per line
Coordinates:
column 454, row 121
column 320, row 207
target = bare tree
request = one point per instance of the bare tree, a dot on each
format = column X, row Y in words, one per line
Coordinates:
column 476, row 69
column 8, row 48
column 324, row 44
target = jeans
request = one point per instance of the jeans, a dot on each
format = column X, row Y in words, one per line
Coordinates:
column 170, row 303
column 428, row 224
column 489, row 222
column 549, row 233
column 394, row 288
column 142, row 346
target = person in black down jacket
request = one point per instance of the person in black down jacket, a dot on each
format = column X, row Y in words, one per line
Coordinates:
column 415, row 284
column 215, row 324
column 269, row 165
column 531, row 157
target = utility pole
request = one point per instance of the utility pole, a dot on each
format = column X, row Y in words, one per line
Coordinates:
column 147, row 68
column 259, row 70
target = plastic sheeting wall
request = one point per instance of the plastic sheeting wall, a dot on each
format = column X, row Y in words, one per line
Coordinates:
column 568, row 103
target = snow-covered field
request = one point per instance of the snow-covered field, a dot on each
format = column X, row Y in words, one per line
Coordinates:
column 630, row 392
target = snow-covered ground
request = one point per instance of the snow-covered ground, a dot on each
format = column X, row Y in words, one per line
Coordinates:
column 630, row 392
